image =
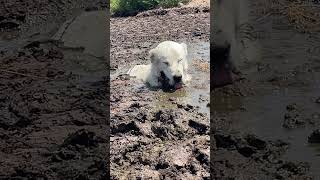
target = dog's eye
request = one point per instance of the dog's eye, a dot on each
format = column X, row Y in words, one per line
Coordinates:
column 166, row 63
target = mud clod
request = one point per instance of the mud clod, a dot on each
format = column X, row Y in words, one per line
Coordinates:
column 63, row 154
column 256, row 142
column 167, row 116
column 8, row 26
column 202, row 156
column 225, row 141
column 293, row 118
column 314, row 136
column 201, row 128
column 130, row 127
column 295, row 168
column 246, row 151
column 81, row 137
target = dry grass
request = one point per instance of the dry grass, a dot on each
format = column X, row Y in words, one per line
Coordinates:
column 198, row 3
column 303, row 15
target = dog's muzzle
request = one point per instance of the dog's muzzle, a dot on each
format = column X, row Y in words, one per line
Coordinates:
column 164, row 80
column 177, row 79
column 177, row 82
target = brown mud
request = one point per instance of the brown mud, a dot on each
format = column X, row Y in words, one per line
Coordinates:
column 53, row 95
column 156, row 134
column 53, row 98
column 259, row 126
column 277, row 99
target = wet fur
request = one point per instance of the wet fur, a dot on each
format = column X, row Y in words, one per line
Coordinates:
column 168, row 59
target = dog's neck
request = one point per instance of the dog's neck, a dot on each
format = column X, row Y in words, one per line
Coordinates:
column 155, row 70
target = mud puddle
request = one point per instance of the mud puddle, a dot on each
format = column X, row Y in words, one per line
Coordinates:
column 197, row 93
column 265, row 112
column 282, row 73
column 264, row 116
column 83, row 40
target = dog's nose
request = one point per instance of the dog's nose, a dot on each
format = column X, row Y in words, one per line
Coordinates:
column 177, row 78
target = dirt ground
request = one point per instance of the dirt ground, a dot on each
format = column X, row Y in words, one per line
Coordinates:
column 52, row 122
column 276, row 100
column 259, row 126
column 54, row 108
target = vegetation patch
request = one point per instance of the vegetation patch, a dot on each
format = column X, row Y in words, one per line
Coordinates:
column 133, row 7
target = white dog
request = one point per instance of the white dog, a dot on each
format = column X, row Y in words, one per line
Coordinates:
column 168, row 67
column 225, row 48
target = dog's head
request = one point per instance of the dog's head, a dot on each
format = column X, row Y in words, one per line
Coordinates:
column 169, row 60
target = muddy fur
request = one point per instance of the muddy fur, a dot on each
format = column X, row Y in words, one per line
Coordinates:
column 227, row 20
column 168, row 67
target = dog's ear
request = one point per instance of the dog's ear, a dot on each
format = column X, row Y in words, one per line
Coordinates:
column 153, row 55
column 185, row 48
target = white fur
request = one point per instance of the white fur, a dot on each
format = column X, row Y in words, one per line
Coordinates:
column 170, row 58
column 228, row 16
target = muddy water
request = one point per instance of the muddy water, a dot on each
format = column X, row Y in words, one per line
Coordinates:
column 264, row 116
column 83, row 39
column 197, row 93
column 292, row 56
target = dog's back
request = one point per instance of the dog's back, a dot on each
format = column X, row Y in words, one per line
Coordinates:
column 139, row 71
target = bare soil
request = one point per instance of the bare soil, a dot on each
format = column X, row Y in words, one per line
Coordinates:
column 54, row 108
column 52, row 124
column 249, row 138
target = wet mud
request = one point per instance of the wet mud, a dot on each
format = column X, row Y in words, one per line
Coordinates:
column 156, row 134
column 259, row 126
column 53, row 95
column 277, row 99
column 54, row 111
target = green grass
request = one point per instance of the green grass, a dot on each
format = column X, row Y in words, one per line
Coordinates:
column 132, row 7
